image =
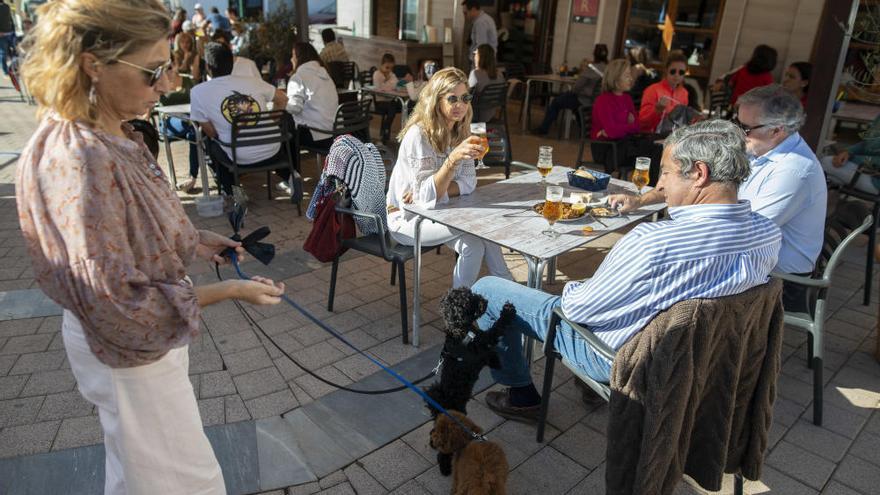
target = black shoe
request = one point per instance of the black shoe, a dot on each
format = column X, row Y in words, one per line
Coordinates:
column 500, row 403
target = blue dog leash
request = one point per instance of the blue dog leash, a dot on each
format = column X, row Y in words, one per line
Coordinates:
column 233, row 256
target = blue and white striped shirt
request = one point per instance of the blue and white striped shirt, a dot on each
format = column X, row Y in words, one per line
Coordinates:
column 704, row 251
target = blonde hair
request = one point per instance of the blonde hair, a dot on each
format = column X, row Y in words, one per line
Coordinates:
column 108, row 29
column 614, row 71
column 428, row 113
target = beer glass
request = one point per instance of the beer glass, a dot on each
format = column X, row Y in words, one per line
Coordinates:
column 641, row 175
column 545, row 162
column 552, row 210
column 479, row 129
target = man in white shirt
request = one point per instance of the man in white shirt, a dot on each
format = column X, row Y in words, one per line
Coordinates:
column 215, row 103
column 483, row 30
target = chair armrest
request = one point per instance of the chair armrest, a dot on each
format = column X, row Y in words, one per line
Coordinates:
column 380, row 228
column 597, row 345
column 806, row 281
column 322, row 131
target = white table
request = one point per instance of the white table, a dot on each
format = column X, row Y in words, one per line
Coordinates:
column 502, row 213
column 400, row 95
column 182, row 112
column 548, row 78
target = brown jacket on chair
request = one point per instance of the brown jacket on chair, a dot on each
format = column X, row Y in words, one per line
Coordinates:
column 693, row 393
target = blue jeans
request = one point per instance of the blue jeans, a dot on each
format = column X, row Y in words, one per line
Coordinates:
column 7, row 42
column 179, row 129
column 533, row 311
column 567, row 100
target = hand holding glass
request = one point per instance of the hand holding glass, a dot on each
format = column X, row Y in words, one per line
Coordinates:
column 479, row 129
column 552, row 210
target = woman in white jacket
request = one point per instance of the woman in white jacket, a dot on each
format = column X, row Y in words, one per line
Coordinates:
column 311, row 96
column 435, row 163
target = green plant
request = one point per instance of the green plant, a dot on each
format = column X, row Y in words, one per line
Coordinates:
column 274, row 37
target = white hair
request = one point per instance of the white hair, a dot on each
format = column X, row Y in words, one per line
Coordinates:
column 720, row 144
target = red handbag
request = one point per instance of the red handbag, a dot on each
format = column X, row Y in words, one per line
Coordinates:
column 329, row 228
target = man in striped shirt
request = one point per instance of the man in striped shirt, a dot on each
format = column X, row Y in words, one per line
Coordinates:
column 712, row 246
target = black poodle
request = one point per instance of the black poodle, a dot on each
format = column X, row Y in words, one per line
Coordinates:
column 465, row 352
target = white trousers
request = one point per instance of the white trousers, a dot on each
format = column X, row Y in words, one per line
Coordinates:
column 153, row 435
column 471, row 249
column 844, row 174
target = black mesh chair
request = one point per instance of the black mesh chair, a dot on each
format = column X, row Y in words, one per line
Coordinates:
column 365, row 77
column 342, row 73
column 352, row 117
column 586, row 118
column 259, row 129
column 873, row 199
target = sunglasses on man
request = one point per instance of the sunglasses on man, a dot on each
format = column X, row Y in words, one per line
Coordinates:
column 677, row 72
column 155, row 74
column 465, row 99
column 746, row 128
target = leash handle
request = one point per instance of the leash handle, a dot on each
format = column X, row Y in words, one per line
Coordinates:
column 234, row 258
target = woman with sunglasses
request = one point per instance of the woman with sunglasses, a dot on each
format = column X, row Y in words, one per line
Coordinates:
column 436, row 162
column 110, row 241
column 661, row 97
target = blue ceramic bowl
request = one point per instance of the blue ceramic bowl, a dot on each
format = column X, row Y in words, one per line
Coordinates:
column 600, row 184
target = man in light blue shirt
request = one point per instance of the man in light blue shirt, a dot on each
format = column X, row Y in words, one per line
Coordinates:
column 483, row 30
column 713, row 246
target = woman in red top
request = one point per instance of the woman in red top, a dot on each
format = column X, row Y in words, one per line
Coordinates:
column 613, row 114
column 661, row 97
column 755, row 73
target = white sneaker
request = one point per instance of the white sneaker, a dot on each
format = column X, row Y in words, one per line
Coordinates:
column 283, row 186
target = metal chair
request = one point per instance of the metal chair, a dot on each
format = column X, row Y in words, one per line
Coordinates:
column 352, row 117
column 604, row 389
column 515, row 73
column 874, row 199
column 719, row 103
column 365, row 77
column 586, row 116
column 841, row 229
column 258, row 129
column 342, row 73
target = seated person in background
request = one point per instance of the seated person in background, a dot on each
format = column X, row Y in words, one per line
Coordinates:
column 240, row 39
column 614, row 115
column 311, row 95
column 796, row 80
column 216, row 102
column 754, row 74
column 581, row 93
column 643, row 76
column 484, row 74
column 177, row 128
column 385, row 80
column 661, row 97
column 712, row 246
column 862, row 157
column 242, row 66
column 427, row 68
column 333, row 50
column 786, row 185
column 436, row 162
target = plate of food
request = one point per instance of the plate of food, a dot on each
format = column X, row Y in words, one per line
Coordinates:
column 604, row 211
column 570, row 211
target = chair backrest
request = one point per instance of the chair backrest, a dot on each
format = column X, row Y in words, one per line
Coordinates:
column 259, row 128
column 499, row 152
column 841, row 229
column 719, row 102
column 487, row 102
column 514, row 70
column 586, row 115
column 365, row 77
column 342, row 73
column 353, row 117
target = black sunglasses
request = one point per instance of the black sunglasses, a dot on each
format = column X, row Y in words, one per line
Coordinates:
column 746, row 128
column 155, row 74
column 677, row 72
column 465, row 98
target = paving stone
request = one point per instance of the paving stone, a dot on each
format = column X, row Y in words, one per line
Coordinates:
column 216, row 384
column 356, row 367
column 318, row 356
column 594, row 484
column 362, row 482
column 250, row 360
column 835, row 488
column 841, row 421
column 419, row 440
column 859, row 474
column 273, row 404
column 26, row 344
column 27, row 439
column 212, row 411
column 786, row 411
column 51, row 324
column 340, row 489
column 794, row 390
column 873, row 425
column 258, row 383
column 801, row 465
column 332, row 479
column 235, row 409
column 358, row 338
column 867, row 446
column 564, row 412
column 36, row 362
column 49, row 382
column 548, row 471
column 15, row 412
column 64, row 405
column 316, row 388
column 6, row 363
column 79, row 432
column 236, row 342
column 305, row 489
column 11, row 386
column 281, row 460
column 12, row 328
column 774, row 481
column 394, row 464
column 818, row 440
column 582, row 444
column 411, row 487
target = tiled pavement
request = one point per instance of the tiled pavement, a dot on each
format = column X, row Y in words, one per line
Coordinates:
column 243, row 384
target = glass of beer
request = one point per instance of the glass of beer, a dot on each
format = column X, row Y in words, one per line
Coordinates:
column 641, row 175
column 552, row 210
column 479, row 129
column 545, row 162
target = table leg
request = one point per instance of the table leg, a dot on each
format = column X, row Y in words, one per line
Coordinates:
column 525, row 109
column 417, row 272
column 404, row 111
column 203, row 166
column 551, row 270
column 172, row 175
column 536, row 272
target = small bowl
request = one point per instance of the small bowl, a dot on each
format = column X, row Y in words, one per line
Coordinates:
column 209, row 206
column 600, row 184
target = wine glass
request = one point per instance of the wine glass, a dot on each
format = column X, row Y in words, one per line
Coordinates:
column 552, row 210
column 641, row 175
column 479, row 129
column 545, row 162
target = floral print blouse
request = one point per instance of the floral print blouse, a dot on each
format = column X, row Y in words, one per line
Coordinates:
column 109, row 240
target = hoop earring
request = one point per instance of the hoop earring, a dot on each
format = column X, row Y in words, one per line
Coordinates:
column 93, row 94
